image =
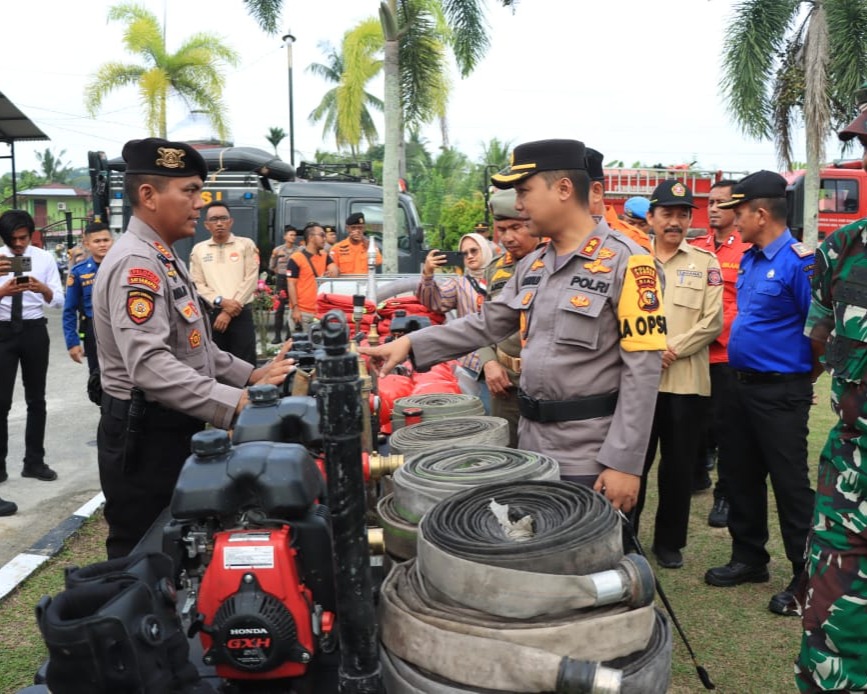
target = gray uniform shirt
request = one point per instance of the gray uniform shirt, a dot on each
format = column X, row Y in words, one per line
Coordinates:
column 592, row 326
column 151, row 333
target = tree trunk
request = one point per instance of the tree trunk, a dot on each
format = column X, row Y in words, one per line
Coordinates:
column 390, row 164
column 817, row 117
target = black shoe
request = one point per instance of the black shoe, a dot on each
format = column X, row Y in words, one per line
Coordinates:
column 734, row 573
column 8, row 508
column 667, row 558
column 39, row 472
column 277, row 340
column 783, row 603
column 719, row 514
column 702, row 482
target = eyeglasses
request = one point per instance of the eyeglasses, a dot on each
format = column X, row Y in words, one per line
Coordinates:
column 472, row 251
column 217, row 220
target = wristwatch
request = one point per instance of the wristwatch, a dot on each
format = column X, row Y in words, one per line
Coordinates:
column 218, row 301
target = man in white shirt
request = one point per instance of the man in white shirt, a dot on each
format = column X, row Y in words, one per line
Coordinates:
column 29, row 281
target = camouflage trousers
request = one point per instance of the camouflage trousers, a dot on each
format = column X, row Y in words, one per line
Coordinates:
column 833, row 654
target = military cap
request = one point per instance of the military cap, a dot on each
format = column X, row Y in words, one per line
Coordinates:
column 530, row 158
column 155, row 156
column 594, row 165
column 355, row 218
column 502, row 204
column 756, row 186
column 671, row 193
column 636, row 208
column 859, row 125
column 481, row 228
column 328, row 228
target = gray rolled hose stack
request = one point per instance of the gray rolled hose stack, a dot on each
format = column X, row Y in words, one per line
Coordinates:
column 436, row 406
column 459, row 431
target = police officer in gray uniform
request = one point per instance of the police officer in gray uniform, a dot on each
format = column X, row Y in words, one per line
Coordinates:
column 588, row 307
column 162, row 376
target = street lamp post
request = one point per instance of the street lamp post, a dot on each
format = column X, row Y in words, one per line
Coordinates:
column 289, row 39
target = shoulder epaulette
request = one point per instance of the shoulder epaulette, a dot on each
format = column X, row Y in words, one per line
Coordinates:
column 802, row 250
column 702, row 250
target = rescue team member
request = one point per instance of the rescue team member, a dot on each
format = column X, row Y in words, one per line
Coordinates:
column 772, row 362
column 277, row 265
column 24, row 337
column 501, row 363
column 589, row 309
column 465, row 294
column 725, row 242
column 598, row 208
column 351, row 253
column 635, row 213
column 302, row 269
column 225, row 271
column 833, row 654
column 694, row 317
column 162, row 376
column 78, row 309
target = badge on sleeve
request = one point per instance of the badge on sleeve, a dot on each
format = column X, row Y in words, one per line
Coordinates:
column 714, row 277
column 70, row 280
column 195, row 339
column 802, row 250
column 139, row 306
column 143, row 277
column 639, row 311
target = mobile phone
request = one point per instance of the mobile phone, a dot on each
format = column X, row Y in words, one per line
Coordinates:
column 22, row 280
column 21, row 264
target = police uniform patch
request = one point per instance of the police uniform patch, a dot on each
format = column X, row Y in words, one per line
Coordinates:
column 537, row 264
column 598, row 265
column 234, row 257
column 802, row 250
column 70, row 280
column 579, row 301
column 639, row 310
column 678, row 190
column 195, row 339
column 809, row 268
column 139, row 306
column 528, row 297
column 590, row 246
column 170, row 157
column 714, row 277
column 190, row 311
column 165, row 251
column 144, row 277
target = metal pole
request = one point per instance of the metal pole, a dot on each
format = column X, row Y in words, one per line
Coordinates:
column 69, row 231
column 14, row 182
column 290, row 39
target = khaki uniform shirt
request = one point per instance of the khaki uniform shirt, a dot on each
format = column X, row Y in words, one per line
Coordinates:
column 229, row 270
column 151, row 332
column 497, row 274
column 592, row 326
column 694, row 316
column 279, row 257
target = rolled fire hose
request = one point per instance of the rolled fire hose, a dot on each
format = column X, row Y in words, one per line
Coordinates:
column 399, row 534
column 645, row 672
column 559, row 654
column 460, row 431
column 431, row 476
column 436, row 406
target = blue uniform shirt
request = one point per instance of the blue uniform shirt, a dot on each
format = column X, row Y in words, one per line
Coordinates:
column 773, row 300
column 79, row 288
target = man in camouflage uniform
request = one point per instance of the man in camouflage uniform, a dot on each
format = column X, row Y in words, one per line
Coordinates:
column 501, row 363
column 833, row 653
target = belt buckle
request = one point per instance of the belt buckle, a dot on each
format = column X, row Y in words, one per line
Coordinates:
column 531, row 403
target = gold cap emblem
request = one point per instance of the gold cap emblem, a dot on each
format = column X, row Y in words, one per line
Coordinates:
column 170, row 157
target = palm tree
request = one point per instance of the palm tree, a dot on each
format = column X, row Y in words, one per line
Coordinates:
column 193, row 72
column 266, row 13
column 53, row 168
column 785, row 59
column 275, row 136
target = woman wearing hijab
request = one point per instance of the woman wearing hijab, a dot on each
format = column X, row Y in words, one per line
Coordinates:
column 465, row 294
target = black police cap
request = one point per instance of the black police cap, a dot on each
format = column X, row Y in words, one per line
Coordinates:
column 355, row 218
column 155, row 156
column 594, row 164
column 671, row 193
column 530, row 158
column 756, row 186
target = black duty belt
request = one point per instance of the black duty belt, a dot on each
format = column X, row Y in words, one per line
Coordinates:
column 25, row 321
column 767, row 377
column 588, row 407
column 156, row 415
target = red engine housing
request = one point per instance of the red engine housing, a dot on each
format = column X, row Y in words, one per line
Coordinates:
column 256, row 613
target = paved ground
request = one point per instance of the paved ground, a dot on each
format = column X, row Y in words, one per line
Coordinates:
column 70, row 446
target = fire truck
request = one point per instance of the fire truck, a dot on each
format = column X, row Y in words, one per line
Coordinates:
column 842, row 197
column 623, row 183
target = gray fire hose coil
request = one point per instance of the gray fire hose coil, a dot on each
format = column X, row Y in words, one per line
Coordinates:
column 645, row 672
column 435, row 406
column 399, row 534
column 471, row 648
column 460, row 431
column 430, row 476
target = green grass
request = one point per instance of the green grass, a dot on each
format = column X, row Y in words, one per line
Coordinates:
column 743, row 646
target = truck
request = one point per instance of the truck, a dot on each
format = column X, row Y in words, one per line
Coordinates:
column 842, row 196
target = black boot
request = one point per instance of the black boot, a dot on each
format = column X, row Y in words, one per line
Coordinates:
column 8, row 508
column 156, row 571
column 104, row 638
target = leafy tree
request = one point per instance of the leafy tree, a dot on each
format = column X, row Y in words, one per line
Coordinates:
column 193, row 72
column 275, row 136
column 25, row 179
column 459, row 217
column 266, row 13
column 787, row 60
column 53, row 168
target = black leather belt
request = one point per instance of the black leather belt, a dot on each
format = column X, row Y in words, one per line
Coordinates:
column 588, row 407
column 25, row 321
column 766, row 377
column 156, row 415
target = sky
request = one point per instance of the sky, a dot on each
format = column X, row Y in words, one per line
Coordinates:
column 616, row 75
